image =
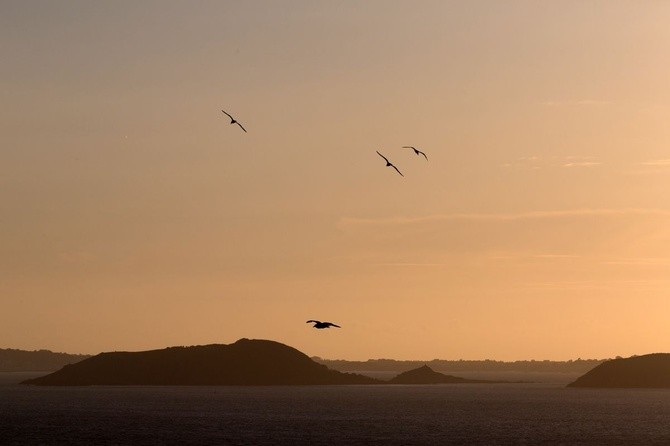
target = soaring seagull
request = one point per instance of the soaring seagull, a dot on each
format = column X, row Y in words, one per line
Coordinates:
column 388, row 163
column 417, row 151
column 320, row 325
column 233, row 121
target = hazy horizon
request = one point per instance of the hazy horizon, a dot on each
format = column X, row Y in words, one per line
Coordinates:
column 135, row 217
column 371, row 358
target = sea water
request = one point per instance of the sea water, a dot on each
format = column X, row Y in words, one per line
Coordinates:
column 487, row 414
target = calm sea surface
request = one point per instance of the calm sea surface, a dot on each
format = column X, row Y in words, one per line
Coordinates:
column 538, row 413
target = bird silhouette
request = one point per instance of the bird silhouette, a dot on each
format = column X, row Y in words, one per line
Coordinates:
column 389, row 163
column 417, row 151
column 233, row 121
column 320, row 325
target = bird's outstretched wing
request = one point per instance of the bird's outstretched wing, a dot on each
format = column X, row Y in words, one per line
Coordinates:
column 409, row 147
column 228, row 114
column 245, row 130
column 424, row 155
column 382, row 156
column 396, row 169
column 330, row 324
column 310, row 321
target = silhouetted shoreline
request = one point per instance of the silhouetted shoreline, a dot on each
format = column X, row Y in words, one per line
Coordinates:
column 15, row 360
column 245, row 362
column 394, row 365
column 646, row 371
column 262, row 362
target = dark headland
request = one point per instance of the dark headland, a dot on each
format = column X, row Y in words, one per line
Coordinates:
column 650, row 371
column 245, row 362
column 426, row 375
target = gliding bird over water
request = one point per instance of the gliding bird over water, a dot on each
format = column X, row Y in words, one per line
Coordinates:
column 320, row 325
column 233, row 121
column 417, row 151
column 388, row 163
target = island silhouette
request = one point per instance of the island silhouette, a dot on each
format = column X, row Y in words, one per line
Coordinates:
column 646, row 371
column 247, row 362
column 426, row 375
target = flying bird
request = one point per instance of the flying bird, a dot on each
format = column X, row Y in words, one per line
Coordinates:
column 233, row 121
column 320, row 325
column 388, row 163
column 417, row 151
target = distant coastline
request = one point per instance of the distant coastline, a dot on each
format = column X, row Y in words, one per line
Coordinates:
column 13, row 360
column 578, row 366
column 265, row 362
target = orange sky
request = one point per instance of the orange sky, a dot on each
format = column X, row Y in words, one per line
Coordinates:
column 134, row 217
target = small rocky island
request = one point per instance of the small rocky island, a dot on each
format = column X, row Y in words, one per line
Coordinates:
column 426, row 375
column 246, row 362
column 647, row 371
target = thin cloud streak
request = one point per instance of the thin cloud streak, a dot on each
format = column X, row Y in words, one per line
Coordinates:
column 582, row 164
column 594, row 284
column 411, row 264
column 579, row 157
column 353, row 221
column 537, row 162
column 569, row 284
column 640, row 262
column 556, row 256
column 521, row 256
column 663, row 162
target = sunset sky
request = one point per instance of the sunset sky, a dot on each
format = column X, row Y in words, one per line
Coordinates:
column 133, row 216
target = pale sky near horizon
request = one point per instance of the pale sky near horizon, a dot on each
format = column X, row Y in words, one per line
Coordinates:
column 135, row 217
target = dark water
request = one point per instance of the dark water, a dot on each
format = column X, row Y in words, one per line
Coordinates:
column 391, row 415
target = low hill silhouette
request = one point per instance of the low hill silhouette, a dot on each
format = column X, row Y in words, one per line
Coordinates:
column 426, row 375
column 245, row 362
column 652, row 371
column 13, row 360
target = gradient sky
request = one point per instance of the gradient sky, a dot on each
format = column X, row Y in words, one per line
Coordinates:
column 134, row 217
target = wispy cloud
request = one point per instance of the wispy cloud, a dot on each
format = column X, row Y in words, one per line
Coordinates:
column 411, row 264
column 555, row 256
column 568, row 284
column 640, row 261
column 650, row 167
column 350, row 221
column 662, row 162
column 579, row 158
column 536, row 162
column 582, row 164
column 526, row 256
column 592, row 284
